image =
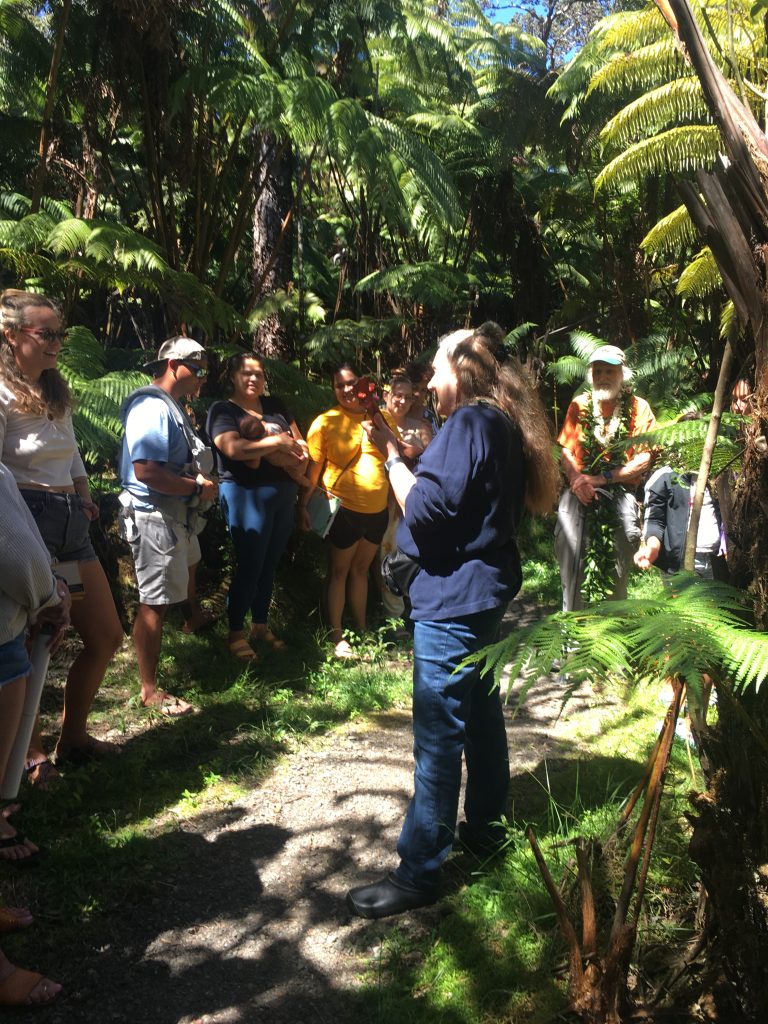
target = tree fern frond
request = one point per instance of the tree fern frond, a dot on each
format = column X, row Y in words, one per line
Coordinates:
column 313, row 113
column 426, row 168
column 27, row 234
column 669, row 104
column 14, row 204
column 643, row 68
column 567, row 370
column 57, row 209
column 518, row 334
column 701, row 277
column 444, row 123
column 584, row 344
column 680, row 444
column 68, row 237
column 431, row 284
column 345, row 338
column 730, row 325
column 693, row 626
column 82, row 355
column 96, row 416
column 631, row 30
column 687, row 148
column 672, row 233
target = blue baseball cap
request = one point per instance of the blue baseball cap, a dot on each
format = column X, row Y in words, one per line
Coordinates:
column 608, row 354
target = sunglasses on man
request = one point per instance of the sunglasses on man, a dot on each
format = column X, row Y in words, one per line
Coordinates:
column 198, row 370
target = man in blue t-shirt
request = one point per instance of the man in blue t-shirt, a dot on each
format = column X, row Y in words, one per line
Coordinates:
column 163, row 486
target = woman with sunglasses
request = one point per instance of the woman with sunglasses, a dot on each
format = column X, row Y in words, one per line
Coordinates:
column 37, row 444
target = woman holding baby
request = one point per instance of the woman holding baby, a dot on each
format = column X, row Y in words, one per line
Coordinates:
column 260, row 457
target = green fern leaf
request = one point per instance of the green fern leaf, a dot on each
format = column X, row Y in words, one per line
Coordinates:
column 672, row 233
column 669, row 104
column 701, row 277
column 681, row 149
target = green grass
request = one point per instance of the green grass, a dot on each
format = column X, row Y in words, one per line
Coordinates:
column 111, row 832
column 541, row 574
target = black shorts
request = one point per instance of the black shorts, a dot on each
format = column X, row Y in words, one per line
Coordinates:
column 350, row 527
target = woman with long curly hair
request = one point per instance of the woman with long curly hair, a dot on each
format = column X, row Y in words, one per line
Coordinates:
column 38, row 446
column 461, row 507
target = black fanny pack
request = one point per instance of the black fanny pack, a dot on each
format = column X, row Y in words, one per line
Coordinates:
column 398, row 571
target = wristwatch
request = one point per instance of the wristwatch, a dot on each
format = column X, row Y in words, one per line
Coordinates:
column 393, row 462
column 607, row 475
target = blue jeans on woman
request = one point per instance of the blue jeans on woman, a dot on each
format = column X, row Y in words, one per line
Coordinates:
column 260, row 520
column 452, row 714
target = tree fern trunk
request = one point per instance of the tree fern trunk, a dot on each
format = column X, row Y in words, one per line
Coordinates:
column 730, row 836
column 271, row 271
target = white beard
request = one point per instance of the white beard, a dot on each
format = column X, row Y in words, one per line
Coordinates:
column 606, row 394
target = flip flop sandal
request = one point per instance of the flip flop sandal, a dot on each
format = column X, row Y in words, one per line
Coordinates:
column 32, row 858
column 242, row 649
column 169, row 706
column 42, row 774
column 17, row 988
column 12, row 921
column 92, row 750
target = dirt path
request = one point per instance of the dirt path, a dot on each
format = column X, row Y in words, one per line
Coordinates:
column 251, row 925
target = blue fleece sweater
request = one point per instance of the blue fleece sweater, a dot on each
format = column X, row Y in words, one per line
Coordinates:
column 461, row 516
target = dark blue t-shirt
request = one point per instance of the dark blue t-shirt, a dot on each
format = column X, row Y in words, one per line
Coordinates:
column 462, row 514
column 224, row 417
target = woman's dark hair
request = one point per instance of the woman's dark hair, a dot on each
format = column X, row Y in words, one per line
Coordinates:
column 234, row 364
column 51, row 394
column 484, row 371
column 398, row 377
column 344, row 366
column 418, row 372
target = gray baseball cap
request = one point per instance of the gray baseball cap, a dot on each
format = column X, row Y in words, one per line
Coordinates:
column 178, row 348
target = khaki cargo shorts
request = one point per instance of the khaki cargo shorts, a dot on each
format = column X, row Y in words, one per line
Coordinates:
column 163, row 549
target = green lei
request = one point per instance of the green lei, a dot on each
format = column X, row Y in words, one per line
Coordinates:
column 601, row 442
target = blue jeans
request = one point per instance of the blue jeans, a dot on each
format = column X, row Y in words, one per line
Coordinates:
column 452, row 714
column 260, row 520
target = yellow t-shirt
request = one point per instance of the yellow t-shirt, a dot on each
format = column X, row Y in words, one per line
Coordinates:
column 337, row 440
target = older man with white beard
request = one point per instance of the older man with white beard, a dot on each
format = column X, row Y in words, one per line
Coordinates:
column 599, row 507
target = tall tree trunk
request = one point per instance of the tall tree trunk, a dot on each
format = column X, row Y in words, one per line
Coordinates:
column 271, row 244
column 50, row 96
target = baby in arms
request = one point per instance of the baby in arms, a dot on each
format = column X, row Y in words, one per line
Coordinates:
column 254, row 428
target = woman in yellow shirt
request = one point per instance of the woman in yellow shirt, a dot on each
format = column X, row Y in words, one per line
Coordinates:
column 347, row 464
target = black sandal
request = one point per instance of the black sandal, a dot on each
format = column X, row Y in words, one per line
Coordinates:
column 20, row 839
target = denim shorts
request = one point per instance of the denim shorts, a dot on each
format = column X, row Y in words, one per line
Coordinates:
column 14, row 659
column 62, row 523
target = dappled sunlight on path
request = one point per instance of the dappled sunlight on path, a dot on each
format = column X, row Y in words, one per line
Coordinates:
column 250, row 923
